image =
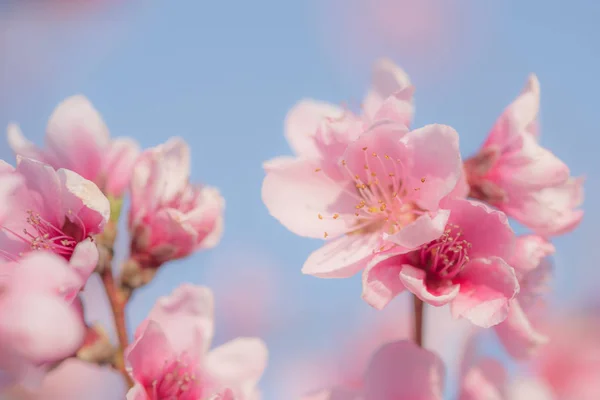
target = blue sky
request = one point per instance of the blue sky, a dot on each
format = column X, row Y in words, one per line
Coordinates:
column 223, row 75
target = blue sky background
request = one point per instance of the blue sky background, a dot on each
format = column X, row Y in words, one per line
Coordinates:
column 223, row 75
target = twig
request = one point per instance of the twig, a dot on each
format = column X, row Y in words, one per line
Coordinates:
column 418, row 312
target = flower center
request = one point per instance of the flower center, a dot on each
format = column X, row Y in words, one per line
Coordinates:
column 383, row 200
column 445, row 257
column 179, row 381
column 43, row 235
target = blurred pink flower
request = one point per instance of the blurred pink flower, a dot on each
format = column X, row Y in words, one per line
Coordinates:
column 398, row 370
column 465, row 267
column 55, row 211
column 170, row 357
column 384, row 193
column 77, row 139
column 520, row 177
column 303, row 121
column 170, row 218
column 37, row 323
column 74, row 380
column 570, row 364
column 517, row 333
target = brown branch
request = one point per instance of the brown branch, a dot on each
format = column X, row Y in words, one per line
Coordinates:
column 418, row 328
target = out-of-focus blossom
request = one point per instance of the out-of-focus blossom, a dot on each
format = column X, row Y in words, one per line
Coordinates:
column 570, row 364
column 304, row 119
column 517, row 332
column 55, row 211
column 37, row 323
column 384, row 192
column 170, row 359
column 73, row 380
column 77, row 139
column 398, row 370
column 170, row 218
column 465, row 267
column 520, row 177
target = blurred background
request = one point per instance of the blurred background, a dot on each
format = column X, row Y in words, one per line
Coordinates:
column 223, row 75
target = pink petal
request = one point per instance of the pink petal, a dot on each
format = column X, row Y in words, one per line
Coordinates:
column 77, row 137
column 486, row 229
column 146, row 356
column 82, row 198
column 397, row 108
column 8, row 185
column 302, row 122
column 207, row 217
column 84, row 259
column 530, row 389
column 44, row 272
column 435, row 167
column 388, row 79
column 423, row 230
column 414, row 279
column 118, row 165
column 519, row 337
column 238, row 364
column 186, row 318
column 484, row 382
column 334, row 394
column 381, row 280
column 296, row 194
column 138, row 392
column 23, row 147
column 41, row 326
column 342, row 257
column 530, row 250
column 486, row 288
column 402, row 370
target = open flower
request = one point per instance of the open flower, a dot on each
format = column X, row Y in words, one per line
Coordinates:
column 398, row 370
column 170, row 218
column 383, row 192
column 517, row 332
column 170, row 359
column 54, row 211
column 304, row 119
column 77, row 139
column 38, row 325
column 465, row 267
column 515, row 174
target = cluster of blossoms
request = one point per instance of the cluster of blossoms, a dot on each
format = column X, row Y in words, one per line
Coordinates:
column 401, row 206
column 58, row 218
column 398, row 204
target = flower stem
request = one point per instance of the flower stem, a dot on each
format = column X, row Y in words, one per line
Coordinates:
column 418, row 312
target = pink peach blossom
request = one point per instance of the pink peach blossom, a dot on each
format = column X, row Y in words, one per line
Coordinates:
column 520, row 177
column 55, row 211
column 465, row 267
column 169, row 218
column 78, row 139
column 518, row 334
column 383, row 191
column 398, row 370
column 37, row 323
column 169, row 357
column 304, row 119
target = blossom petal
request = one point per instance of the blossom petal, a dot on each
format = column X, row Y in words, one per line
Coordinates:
column 484, row 381
column 381, row 280
column 414, row 280
column 23, row 147
column 296, row 193
column 84, row 259
column 238, row 365
column 342, row 257
column 388, row 79
column 137, row 392
column 486, row 288
column 423, row 230
column 402, row 370
column 302, row 122
column 517, row 334
column 147, row 354
column 78, row 137
column 117, row 166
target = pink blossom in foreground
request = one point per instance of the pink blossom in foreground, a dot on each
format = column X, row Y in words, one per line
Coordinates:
column 304, row 119
column 55, row 211
column 37, row 323
column 77, row 139
column 398, row 370
column 520, row 177
column 518, row 334
column 170, row 359
column 383, row 192
column 170, row 218
column 465, row 267
column 570, row 363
